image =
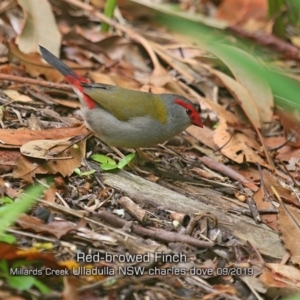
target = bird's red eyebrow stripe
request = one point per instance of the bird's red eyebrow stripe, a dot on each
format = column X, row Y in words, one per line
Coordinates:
column 180, row 102
column 196, row 120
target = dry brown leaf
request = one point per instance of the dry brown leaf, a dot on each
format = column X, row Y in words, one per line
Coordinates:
column 56, row 228
column 221, row 112
column 50, row 194
column 35, row 67
column 280, row 280
column 26, row 168
column 153, row 89
column 186, row 51
column 289, row 226
column 285, row 153
column 45, row 149
column 290, row 121
column 265, row 197
column 124, row 81
column 261, row 204
column 66, row 102
column 114, row 46
column 242, row 96
column 238, row 146
column 119, row 48
column 204, row 135
column 253, row 93
column 8, row 159
column 39, row 27
column 92, row 235
column 251, row 173
column 12, row 70
column 295, row 40
column 220, row 289
column 238, row 12
column 14, row 138
column 10, row 252
column 287, row 271
column 70, row 291
column 33, row 64
column 2, row 187
column 16, row 96
column 101, row 78
column 91, row 34
column 287, row 195
column 75, row 54
column 184, row 69
column 158, row 80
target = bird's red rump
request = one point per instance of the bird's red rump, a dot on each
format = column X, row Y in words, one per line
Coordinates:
column 89, row 101
column 76, row 80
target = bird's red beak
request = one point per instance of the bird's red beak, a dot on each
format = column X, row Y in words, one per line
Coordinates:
column 196, row 120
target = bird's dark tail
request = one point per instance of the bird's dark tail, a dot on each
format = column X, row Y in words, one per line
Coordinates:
column 60, row 66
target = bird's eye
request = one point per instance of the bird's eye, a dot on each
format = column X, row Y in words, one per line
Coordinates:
column 188, row 111
column 198, row 108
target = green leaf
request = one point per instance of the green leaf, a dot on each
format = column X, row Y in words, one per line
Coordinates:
column 8, row 238
column 87, row 173
column 216, row 125
column 11, row 212
column 4, row 268
column 6, row 200
column 110, row 282
column 126, row 160
column 285, row 89
column 77, row 171
column 107, row 167
column 21, row 282
column 109, row 9
column 42, row 287
column 103, row 159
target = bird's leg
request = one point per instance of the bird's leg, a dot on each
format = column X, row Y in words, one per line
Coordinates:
column 144, row 158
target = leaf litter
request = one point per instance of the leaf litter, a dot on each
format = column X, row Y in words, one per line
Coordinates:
column 216, row 163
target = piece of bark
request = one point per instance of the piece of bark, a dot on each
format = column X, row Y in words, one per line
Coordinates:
column 261, row 237
column 182, row 218
column 135, row 210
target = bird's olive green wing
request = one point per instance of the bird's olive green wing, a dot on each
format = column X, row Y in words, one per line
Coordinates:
column 127, row 104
